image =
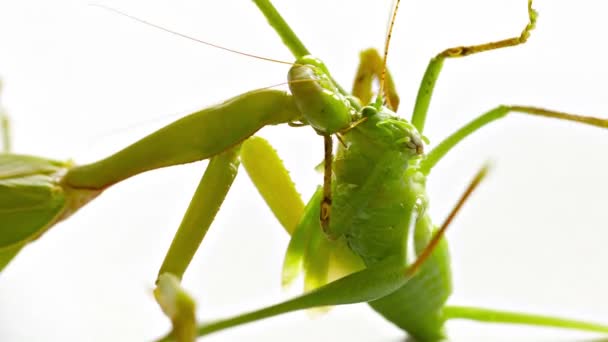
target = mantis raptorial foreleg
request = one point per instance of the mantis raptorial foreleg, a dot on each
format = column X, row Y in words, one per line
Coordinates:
column 59, row 189
column 198, row 136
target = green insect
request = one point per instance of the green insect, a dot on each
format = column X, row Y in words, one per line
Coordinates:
column 365, row 236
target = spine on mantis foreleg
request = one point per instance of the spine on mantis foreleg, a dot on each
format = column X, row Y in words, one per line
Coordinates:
column 195, row 137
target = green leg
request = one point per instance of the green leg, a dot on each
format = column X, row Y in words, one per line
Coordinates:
column 434, row 67
column 370, row 68
column 200, row 135
column 205, row 204
column 506, row 317
column 268, row 173
column 498, row 113
column 272, row 180
column 207, row 199
column 178, row 306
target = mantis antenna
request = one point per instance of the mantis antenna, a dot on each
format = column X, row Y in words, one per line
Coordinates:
column 158, row 27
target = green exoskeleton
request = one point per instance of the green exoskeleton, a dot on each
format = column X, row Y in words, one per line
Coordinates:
column 365, row 236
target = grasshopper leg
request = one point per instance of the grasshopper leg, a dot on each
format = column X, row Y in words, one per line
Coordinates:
column 498, row 113
column 435, row 65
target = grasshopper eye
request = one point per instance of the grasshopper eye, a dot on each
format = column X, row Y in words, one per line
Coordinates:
column 412, row 143
column 418, row 144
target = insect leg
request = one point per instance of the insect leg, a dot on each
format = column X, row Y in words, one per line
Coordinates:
column 370, row 68
column 206, row 202
column 177, row 304
column 198, row 136
column 508, row 317
column 272, row 180
column 435, row 65
column 498, row 113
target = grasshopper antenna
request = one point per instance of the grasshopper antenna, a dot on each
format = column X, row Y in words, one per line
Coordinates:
column 158, row 27
column 387, row 43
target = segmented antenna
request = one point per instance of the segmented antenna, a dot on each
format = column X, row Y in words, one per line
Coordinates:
column 158, row 27
column 387, row 43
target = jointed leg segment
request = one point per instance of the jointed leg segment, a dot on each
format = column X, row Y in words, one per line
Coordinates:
column 435, row 65
column 498, row 113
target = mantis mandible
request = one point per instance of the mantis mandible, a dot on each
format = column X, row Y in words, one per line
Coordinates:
column 450, row 64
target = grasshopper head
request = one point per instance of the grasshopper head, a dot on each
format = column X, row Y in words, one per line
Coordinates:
column 395, row 133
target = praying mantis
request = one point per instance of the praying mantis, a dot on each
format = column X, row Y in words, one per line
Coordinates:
column 487, row 227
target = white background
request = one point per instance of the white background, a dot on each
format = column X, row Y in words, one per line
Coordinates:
column 81, row 82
